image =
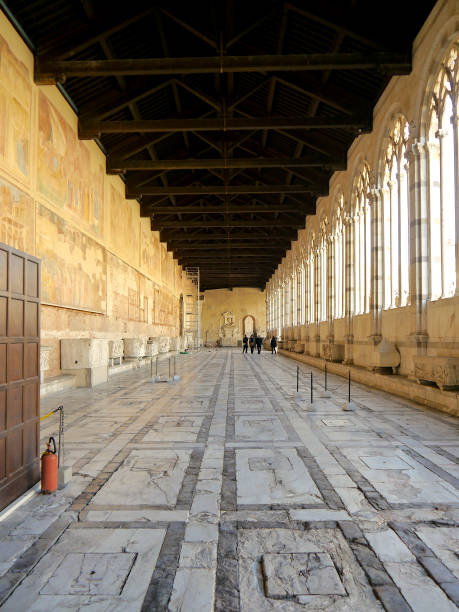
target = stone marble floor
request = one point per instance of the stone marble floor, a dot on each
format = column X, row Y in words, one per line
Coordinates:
column 227, row 492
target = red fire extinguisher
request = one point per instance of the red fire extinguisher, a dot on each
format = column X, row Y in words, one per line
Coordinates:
column 49, row 469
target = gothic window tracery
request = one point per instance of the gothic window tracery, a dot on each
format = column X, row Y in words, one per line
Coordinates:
column 361, row 214
column 443, row 160
column 323, row 257
column 396, row 216
column 338, row 260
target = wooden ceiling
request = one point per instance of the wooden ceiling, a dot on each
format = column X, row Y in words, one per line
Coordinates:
column 226, row 119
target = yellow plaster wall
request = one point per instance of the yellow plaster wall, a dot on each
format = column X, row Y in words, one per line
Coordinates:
column 241, row 301
column 104, row 273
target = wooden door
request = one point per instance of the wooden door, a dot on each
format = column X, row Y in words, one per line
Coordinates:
column 19, row 373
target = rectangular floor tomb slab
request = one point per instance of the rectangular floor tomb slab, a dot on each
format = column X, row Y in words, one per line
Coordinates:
column 274, row 476
column 151, row 477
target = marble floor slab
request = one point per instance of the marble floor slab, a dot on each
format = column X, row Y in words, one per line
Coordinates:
column 152, row 477
column 259, row 428
column 220, row 494
column 277, row 476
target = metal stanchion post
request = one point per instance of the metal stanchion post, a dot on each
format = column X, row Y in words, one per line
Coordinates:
column 64, row 472
column 349, row 406
column 325, row 392
column 312, row 392
column 297, row 377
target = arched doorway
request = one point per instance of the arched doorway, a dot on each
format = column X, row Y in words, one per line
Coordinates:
column 248, row 325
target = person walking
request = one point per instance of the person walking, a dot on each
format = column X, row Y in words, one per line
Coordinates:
column 259, row 343
column 245, row 344
column 252, row 343
column 273, row 345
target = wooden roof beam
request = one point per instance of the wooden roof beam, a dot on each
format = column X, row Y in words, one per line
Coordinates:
column 221, row 210
column 88, row 129
column 158, row 224
column 249, row 247
column 225, row 189
column 50, row 71
column 121, row 166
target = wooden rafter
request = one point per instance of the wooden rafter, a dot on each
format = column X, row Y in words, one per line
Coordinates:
column 50, row 71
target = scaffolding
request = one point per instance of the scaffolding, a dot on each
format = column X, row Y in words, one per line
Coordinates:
column 193, row 309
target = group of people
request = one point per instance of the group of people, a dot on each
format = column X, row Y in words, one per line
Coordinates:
column 256, row 341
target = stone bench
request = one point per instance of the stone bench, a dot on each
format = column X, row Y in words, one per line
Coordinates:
column 85, row 358
column 443, row 371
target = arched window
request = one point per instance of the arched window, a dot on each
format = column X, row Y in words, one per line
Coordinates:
column 338, row 260
column 442, row 166
column 294, row 296
column 301, row 294
column 310, row 263
column 323, row 256
column 396, row 216
column 361, row 213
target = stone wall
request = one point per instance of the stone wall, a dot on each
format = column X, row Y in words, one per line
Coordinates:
column 418, row 323
column 103, row 272
column 242, row 303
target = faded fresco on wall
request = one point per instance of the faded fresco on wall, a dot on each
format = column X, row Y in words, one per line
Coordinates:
column 149, row 251
column 17, row 218
column 163, row 250
column 15, row 112
column 74, row 272
column 67, row 173
column 124, row 227
column 124, row 290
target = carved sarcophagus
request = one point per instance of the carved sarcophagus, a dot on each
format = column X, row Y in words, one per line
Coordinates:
column 443, row 371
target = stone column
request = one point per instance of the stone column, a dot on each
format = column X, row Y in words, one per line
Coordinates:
column 316, row 349
column 377, row 263
column 455, row 124
column 419, row 237
column 330, row 287
column 349, row 288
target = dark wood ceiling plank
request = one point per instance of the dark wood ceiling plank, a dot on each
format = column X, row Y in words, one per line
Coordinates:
column 190, row 28
column 335, row 26
column 73, row 40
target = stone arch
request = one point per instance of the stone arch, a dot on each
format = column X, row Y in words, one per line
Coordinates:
column 247, row 324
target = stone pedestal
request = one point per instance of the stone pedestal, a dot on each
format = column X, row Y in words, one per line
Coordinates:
column 443, row 371
column 85, row 358
column 152, row 348
column 299, row 347
column 134, row 348
column 44, row 361
column 164, row 344
column 174, row 344
column 115, row 352
column 384, row 355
